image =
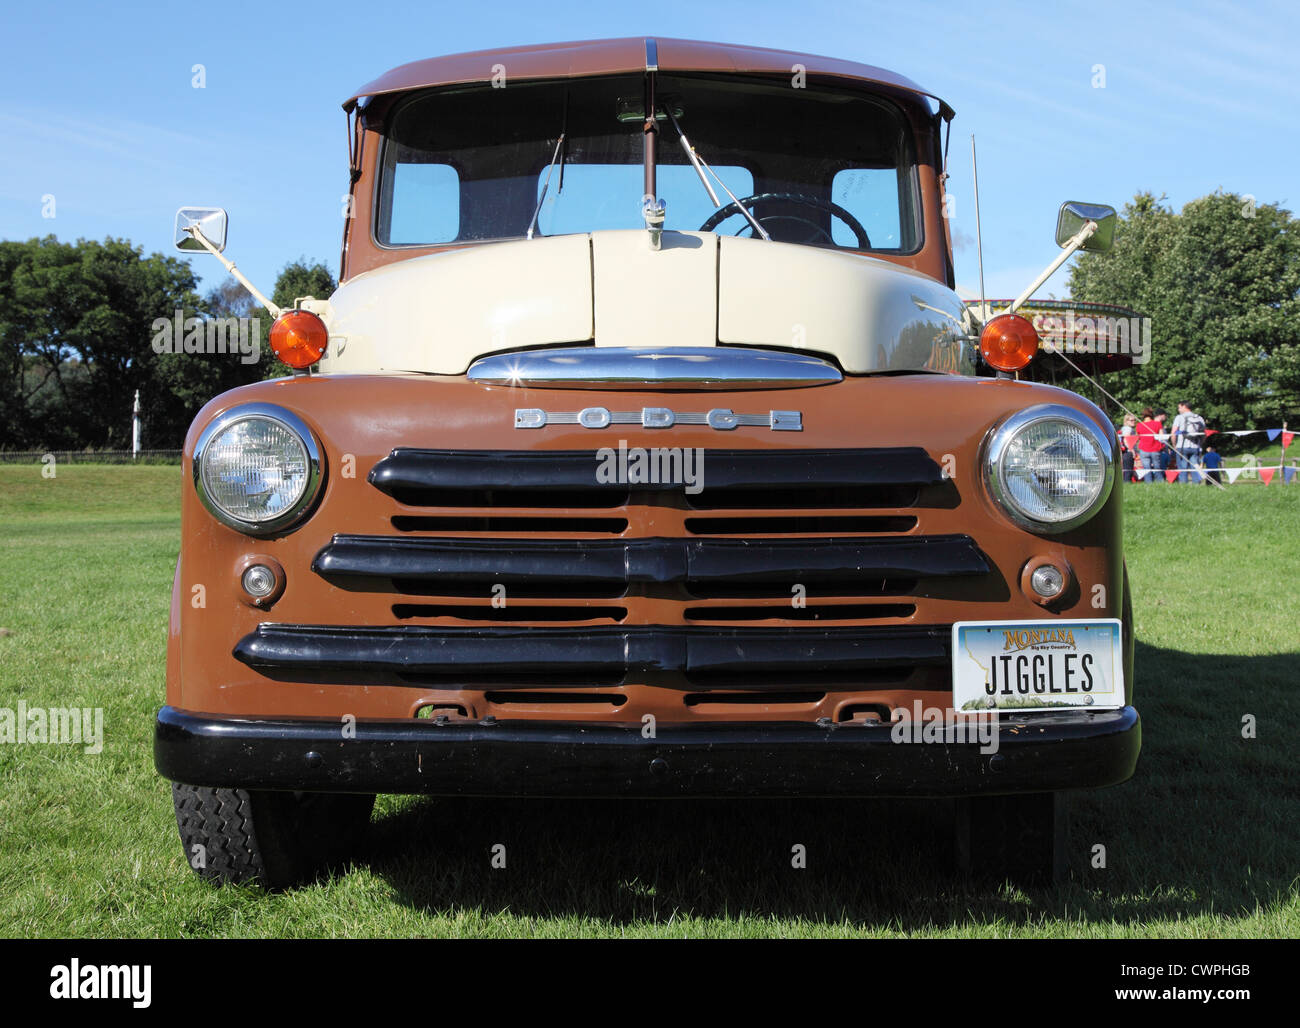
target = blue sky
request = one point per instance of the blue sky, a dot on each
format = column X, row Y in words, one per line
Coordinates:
column 102, row 115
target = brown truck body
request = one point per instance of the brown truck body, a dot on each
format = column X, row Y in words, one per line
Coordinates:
column 467, row 608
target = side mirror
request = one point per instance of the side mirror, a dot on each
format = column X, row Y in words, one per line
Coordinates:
column 211, row 221
column 1075, row 215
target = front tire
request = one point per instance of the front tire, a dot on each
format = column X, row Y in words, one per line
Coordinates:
column 274, row 839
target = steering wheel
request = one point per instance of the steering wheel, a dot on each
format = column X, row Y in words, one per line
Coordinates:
column 751, row 202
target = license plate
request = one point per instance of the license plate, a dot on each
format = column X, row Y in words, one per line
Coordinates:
column 1023, row 665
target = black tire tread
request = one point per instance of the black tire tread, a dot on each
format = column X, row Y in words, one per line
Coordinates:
column 221, row 822
column 275, row 840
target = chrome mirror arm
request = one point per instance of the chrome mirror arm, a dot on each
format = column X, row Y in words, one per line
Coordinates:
column 229, row 265
column 1071, row 245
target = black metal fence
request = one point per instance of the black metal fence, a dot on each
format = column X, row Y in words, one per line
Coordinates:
column 90, row 457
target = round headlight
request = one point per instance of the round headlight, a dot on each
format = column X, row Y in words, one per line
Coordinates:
column 1049, row 467
column 257, row 468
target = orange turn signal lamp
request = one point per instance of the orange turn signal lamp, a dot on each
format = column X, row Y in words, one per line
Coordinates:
column 1009, row 342
column 299, row 338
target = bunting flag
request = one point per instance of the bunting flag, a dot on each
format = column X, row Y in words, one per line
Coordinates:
column 1200, row 473
column 1286, row 439
column 1266, row 472
column 1273, row 433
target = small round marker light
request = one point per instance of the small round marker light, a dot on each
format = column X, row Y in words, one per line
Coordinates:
column 1009, row 342
column 1047, row 581
column 258, row 581
column 299, row 338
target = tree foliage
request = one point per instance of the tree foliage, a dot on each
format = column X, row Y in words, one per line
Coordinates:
column 300, row 279
column 1220, row 281
column 84, row 325
column 74, row 333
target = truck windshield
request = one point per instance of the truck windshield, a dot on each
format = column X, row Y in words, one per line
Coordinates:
column 463, row 164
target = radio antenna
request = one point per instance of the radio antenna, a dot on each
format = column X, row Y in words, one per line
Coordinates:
column 979, row 240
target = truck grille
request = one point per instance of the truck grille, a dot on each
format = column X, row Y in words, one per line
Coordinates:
column 789, row 581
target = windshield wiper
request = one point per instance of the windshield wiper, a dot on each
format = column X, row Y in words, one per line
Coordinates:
column 532, row 225
column 700, row 167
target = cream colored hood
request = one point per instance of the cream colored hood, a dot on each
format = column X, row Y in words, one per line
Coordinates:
column 440, row 312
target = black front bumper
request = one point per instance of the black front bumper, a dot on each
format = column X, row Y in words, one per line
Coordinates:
column 1037, row 753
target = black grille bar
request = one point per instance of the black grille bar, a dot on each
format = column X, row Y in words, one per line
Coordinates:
column 421, row 471
column 508, row 651
column 649, row 560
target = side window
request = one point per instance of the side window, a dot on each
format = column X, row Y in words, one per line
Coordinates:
column 874, row 197
column 425, row 204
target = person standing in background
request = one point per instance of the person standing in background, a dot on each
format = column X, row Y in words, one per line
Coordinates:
column 1213, row 462
column 1127, row 442
column 1162, row 438
column 1148, row 446
column 1187, row 438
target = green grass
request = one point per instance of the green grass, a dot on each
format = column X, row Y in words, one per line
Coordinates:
column 1202, row 842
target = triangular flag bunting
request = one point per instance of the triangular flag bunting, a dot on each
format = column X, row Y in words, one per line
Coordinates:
column 1273, row 433
column 1233, row 473
column 1286, row 439
column 1171, row 475
column 1288, row 474
column 1211, row 431
column 1266, row 474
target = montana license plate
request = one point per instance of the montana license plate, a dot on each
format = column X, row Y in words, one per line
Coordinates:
column 1024, row 665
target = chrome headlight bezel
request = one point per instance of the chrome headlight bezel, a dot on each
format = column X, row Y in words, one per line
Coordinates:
column 292, row 514
column 996, row 449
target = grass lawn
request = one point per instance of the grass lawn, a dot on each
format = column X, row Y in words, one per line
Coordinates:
column 1204, row 841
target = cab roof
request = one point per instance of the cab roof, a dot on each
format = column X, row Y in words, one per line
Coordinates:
column 612, row 56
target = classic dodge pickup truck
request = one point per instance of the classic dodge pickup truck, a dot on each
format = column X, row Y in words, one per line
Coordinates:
column 645, row 449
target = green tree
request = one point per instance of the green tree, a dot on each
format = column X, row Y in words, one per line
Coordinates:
column 300, row 279
column 185, row 381
column 1220, row 281
column 75, row 337
column 84, row 325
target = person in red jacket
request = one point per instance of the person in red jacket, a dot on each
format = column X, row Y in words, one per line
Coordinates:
column 1150, row 447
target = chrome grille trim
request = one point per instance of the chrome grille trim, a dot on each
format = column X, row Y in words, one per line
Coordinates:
column 720, row 418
